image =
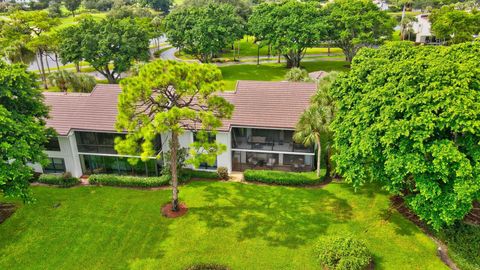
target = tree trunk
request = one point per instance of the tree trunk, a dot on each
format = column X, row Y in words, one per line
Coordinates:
column 278, row 61
column 42, row 68
column 56, row 61
column 46, row 62
column 329, row 164
column 77, row 66
column 319, row 154
column 258, row 55
column 173, row 164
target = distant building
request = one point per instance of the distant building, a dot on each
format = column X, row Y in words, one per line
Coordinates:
column 422, row 30
column 381, row 4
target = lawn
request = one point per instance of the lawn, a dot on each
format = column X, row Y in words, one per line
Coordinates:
column 271, row 72
column 240, row 225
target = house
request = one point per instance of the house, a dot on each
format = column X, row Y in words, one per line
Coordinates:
column 422, row 30
column 259, row 135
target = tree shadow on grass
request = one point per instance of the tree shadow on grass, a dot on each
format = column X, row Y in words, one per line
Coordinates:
column 281, row 216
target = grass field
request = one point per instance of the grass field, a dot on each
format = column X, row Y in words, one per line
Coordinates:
column 239, row 225
column 272, row 72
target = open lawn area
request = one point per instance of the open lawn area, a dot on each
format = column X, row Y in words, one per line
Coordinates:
column 239, row 225
column 272, row 72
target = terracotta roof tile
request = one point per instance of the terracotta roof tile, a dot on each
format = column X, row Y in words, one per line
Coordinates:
column 257, row 104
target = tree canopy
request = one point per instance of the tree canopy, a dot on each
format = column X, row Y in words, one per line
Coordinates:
column 110, row 45
column 159, row 5
column 455, row 26
column 167, row 98
column 72, row 5
column 289, row 27
column 353, row 24
column 22, row 128
column 409, row 118
column 205, row 30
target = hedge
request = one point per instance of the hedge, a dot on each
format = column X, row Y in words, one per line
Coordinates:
column 283, row 178
column 65, row 180
column 189, row 173
column 128, row 181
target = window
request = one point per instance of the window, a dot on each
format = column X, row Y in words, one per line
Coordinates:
column 92, row 142
column 56, row 165
column 92, row 164
column 52, row 144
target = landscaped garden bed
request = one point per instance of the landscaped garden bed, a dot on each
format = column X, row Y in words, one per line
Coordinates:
column 128, row 181
column 283, row 178
column 61, row 180
column 233, row 224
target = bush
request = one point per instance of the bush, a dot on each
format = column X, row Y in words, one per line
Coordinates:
column 222, row 173
column 207, row 266
column 189, row 173
column 297, row 75
column 343, row 253
column 463, row 241
column 61, row 180
column 282, row 178
column 128, row 181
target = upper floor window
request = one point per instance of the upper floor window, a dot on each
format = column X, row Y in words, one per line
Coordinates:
column 52, row 144
column 210, row 136
column 96, row 142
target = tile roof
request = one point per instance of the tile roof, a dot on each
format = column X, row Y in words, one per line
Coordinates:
column 257, row 104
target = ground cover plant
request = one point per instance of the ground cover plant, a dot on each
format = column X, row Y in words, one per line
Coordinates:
column 233, row 224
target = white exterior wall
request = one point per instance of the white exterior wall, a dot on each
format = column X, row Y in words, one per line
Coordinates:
column 69, row 154
column 225, row 159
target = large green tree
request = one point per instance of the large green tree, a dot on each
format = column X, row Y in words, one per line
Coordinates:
column 110, row 46
column 159, row 5
column 288, row 27
column 22, row 128
column 29, row 30
column 455, row 26
column 204, row 31
column 353, row 24
column 72, row 5
column 168, row 97
column 409, row 118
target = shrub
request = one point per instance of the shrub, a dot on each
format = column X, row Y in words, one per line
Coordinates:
column 207, row 266
column 282, row 178
column 297, row 75
column 463, row 241
column 343, row 253
column 61, row 180
column 222, row 173
column 128, row 181
column 199, row 174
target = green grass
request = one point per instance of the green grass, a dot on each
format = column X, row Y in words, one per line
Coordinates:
column 239, row 225
column 272, row 72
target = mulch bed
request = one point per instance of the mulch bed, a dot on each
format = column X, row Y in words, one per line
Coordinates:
column 168, row 213
column 6, row 210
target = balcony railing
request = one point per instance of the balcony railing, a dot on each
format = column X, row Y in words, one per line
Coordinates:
column 268, row 144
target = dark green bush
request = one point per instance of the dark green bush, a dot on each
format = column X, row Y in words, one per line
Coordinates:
column 343, row 253
column 222, row 173
column 463, row 241
column 128, row 181
column 283, row 178
column 207, row 266
column 61, row 180
column 189, row 173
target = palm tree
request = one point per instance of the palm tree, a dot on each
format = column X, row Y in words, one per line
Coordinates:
column 61, row 79
column 315, row 121
column 309, row 130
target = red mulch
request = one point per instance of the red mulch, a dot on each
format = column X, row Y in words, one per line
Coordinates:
column 168, row 213
column 6, row 210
